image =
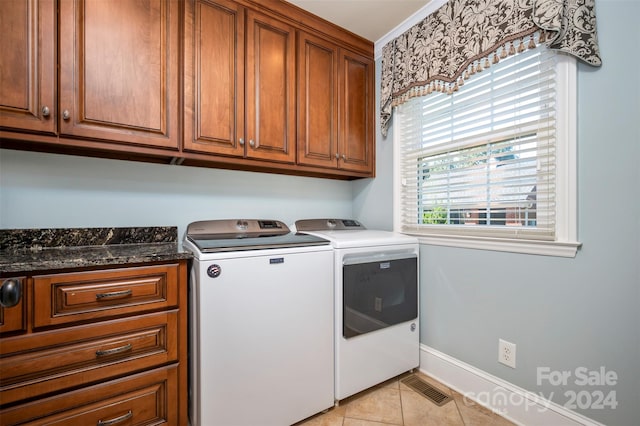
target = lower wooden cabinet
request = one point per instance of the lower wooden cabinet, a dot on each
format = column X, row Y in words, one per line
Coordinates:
column 101, row 347
column 142, row 399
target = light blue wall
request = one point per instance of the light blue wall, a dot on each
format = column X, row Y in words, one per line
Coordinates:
column 45, row 190
column 561, row 313
column 372, row 200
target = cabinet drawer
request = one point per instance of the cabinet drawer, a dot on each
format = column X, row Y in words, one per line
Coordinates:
column 143, row 399
column 37, row 365
column 83, row 296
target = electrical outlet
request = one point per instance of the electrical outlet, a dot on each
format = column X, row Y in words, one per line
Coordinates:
column 507, row 353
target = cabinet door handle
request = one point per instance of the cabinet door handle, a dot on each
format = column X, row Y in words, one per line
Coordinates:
column 66, row 115
column 253, row 143
column 45, row 111
column 114, row 294
column 115, row 420
column 337, row 156
column 118, row 350
column 241, row 141
column 10, row 293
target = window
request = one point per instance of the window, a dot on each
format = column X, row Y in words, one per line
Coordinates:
column 493, row 164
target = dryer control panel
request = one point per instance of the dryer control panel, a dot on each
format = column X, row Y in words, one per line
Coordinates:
column 306, row 225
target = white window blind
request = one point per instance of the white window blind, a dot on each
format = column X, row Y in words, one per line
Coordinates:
column 482, row 161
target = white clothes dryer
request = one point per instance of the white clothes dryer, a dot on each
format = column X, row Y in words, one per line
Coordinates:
column 376, row 334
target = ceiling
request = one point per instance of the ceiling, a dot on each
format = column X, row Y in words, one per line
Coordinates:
column 370, row 19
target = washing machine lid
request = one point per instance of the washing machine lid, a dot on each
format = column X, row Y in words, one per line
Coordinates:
column 349, row 233
column 223, row 235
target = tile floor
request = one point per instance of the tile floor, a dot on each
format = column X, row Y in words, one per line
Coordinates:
column 394, row 403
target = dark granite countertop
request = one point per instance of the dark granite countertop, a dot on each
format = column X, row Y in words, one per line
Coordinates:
column 37, row 250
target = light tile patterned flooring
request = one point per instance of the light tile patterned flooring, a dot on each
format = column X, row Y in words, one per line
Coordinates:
column 394, row 403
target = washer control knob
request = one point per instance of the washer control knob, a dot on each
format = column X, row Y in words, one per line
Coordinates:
column 413, row 326
column 214, row 271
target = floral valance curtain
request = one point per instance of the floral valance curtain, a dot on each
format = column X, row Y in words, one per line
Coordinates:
column 465, row 36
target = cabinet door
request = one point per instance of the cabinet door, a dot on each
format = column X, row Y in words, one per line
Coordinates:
column 14, row 318
column 214, row 77
column 119, row 71
column 317, row 101
column 356, row 142
column 28, row 67
column 270, row 97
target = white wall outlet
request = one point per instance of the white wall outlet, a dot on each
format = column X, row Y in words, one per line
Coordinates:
column 507, row 353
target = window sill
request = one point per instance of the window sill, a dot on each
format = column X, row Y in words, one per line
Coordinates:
column 541, row 248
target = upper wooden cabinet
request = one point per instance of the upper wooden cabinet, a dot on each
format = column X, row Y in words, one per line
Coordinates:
column 28, row 66
column 239, row 82
column 356, row 126
column 119, row 71
column 214, row 77
column 243, row 84
column 335, row 104
column 317, row 101
column 270, row 98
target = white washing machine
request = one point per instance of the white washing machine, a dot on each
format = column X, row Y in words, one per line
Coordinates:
column 261, row 324
column 376, row 333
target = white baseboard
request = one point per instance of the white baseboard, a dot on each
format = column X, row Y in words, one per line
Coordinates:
column 510, row 401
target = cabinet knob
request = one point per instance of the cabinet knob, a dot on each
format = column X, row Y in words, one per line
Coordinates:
column 344, row 156
column 65, row 114
column 252, row 143
column 10, row 293
column 337, row 156
column 45, row 111
column 241, row 141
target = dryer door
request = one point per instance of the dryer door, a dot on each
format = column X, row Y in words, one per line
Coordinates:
column 378, row 292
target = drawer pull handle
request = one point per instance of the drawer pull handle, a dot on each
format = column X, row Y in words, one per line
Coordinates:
column 113, row 351
column 113, row 294
column 115, row 420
